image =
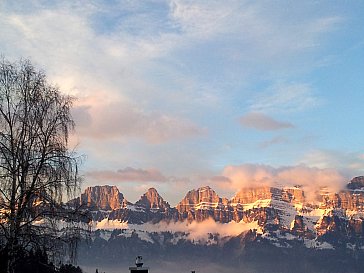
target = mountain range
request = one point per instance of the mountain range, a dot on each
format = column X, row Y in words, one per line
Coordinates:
column 256, row 225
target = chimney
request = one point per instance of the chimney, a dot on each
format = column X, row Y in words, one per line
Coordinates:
column 139, row 266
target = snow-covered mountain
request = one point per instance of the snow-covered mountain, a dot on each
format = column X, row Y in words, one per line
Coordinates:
column 255, row 218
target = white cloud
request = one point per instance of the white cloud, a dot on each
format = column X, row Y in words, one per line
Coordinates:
column 194, row 230
column 352, row 164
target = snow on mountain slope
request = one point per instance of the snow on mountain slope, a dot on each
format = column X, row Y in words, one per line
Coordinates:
column 281, row 216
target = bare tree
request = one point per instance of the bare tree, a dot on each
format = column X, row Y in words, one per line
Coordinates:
column 37, row 170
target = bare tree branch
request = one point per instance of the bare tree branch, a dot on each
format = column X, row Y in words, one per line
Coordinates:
column 36, row 168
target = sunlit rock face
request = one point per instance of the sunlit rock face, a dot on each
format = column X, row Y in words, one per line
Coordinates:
column 249, row 204
column 348, row 200
column 202, row 197
column 283, row 215
column 102, row 197
column 250, row 195
column 204, row 203
column 293, row 195
column 152, row 200
column 257, row 224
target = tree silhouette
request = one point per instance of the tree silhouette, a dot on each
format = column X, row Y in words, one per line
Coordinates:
column 37, row 169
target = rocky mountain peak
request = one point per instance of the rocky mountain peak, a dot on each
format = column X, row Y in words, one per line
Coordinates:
column 201, row 198
column 152, row 200
column 202, row 194
column 102, row 197
column 356, row 183
column 275, row 206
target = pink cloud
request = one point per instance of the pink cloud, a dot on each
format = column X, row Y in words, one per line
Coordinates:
column 127, row 174
column 100, row 119
column 311, row 179
column 263, row 122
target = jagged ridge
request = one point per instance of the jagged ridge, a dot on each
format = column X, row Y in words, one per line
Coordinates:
column 276, row 212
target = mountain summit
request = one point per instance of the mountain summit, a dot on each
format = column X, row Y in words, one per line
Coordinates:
column 257, row 221
column 152, row 200
column 101, row 197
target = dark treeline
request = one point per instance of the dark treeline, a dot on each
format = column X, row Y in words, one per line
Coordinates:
column 35, row 262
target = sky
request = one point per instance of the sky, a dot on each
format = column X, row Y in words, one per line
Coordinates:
column 180, row 94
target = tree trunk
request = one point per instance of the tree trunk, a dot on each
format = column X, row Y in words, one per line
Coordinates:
column 11, row 256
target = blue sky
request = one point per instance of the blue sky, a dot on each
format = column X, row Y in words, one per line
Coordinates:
column 179, row 94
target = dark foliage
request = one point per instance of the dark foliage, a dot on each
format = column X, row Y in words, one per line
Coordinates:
column 35, row 262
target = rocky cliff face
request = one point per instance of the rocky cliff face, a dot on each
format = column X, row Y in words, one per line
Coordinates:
column 152, row 200
column 250, row 195
column 202, row 198
column 204, row 203
column 347, row 200
column 282, row 215
column 278, row 229
column 101, row 198
column 278, row 206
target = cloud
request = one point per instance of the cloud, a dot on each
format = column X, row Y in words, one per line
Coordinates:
column 311, row 179
column 263, row 122
column 248, row 175
column 140, row 69
column 127, row 174
column 214, row 181
column 352, row 164
column 200, row 20
column 132, row 182
column 260, row 31
column 120, row 120
column 285, row 97
column 194, row 230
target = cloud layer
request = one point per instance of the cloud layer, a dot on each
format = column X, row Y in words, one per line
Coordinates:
column 162, row 83
column 198, row 231
column 311, row 179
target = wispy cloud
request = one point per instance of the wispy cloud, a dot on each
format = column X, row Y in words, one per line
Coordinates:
column 286, row 97
column 347, row 162
column 258, row 27
column 127, row 174
column 263, row 122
